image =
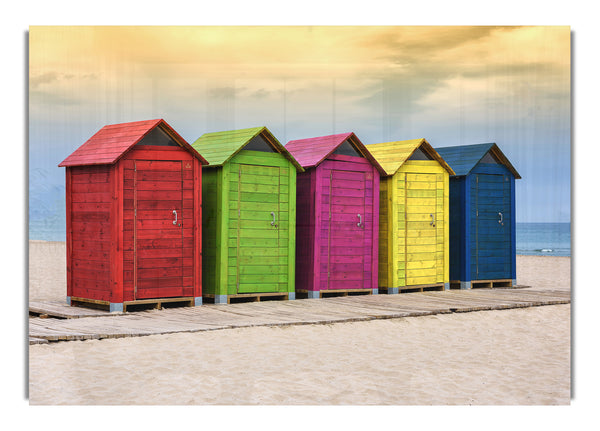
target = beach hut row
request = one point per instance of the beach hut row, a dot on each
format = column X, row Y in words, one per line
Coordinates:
column 237, row 214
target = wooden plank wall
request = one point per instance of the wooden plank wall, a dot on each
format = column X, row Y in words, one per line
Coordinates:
column 266, row 258
column 211, row 202
column 259, row 253
column 90, row 230
column 305, row 229
column 491, row 243
column 159, row 259
column 347, row 251
column 456, row 226
column 417, row 253
column 384, row 267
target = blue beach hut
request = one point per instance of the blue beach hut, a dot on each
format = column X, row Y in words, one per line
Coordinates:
column 482, row 216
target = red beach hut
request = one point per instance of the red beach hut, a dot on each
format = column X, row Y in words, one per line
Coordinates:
column 133, row 207
column 337, row 216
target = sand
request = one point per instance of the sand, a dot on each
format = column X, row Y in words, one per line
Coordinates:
column 508, row 357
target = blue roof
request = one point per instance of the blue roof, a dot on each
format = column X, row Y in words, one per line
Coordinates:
column 463, row 158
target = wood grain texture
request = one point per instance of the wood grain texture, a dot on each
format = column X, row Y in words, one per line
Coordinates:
column 110, row 211
column 414, row 219
column 482, row 248
column 334, row 194
column 240, row 240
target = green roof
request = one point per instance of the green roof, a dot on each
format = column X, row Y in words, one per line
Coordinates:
column 219, row 147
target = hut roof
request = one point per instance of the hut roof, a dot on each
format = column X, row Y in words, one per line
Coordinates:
column 112, row 142
column 464, row 158
column 392, row 155
column 220, row 147
column 312, row 151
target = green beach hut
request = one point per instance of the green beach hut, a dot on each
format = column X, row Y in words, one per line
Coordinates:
column 248, row 217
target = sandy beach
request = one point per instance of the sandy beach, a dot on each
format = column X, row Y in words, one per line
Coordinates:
column 508, row 357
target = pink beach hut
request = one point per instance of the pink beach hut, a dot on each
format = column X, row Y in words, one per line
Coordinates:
column 337, row 216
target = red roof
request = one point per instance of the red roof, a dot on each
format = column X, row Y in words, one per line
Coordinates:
column 312, row 151
column 111, row 142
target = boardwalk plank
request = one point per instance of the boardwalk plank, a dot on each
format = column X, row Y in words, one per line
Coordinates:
column 279, row 313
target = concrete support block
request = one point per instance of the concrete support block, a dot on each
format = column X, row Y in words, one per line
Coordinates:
column 116, row 307
column 220, row 299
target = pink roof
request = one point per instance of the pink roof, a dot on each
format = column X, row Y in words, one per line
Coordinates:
column 111, row 142
column 312, row 151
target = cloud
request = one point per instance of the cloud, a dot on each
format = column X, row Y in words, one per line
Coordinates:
column 43, row 78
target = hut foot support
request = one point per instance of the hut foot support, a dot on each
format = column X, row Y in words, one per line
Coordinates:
column 313, row 294
column 465, row 285
column 446, row 286
column 375, row 291
column 197, row 301
column 68, row 300
column 116, row 307
column 291, row 296
column 220, row 299
column 392, row 290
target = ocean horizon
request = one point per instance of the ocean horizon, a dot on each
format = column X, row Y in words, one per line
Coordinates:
column 543, row 239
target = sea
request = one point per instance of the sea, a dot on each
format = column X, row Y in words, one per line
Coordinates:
column 543, row 239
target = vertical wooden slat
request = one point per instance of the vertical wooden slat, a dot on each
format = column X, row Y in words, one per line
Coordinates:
column 197, row 167
column 446, row 195
column 116, row 294
column 513, row 242
column 375, row 231
column 291, row 228
column 467, row 224
column 69, row 238
column 222, row 233
column 135, row 260
column 318, row 240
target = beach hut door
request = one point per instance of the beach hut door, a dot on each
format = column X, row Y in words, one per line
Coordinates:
column 261, row 223
column 346, row 224
column 492, row 227
column 424, row 228
column 159, row 223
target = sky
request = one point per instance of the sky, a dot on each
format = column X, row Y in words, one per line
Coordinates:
column 451, row 85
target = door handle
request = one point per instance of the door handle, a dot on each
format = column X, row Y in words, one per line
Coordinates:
column 501, row 219
column 359, row 220
column 432, row 223
column 273, row 222
column 175, row 214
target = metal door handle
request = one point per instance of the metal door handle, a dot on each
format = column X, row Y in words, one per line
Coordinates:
column 273, row 222
column 175, row 214
column 432, row 223
column 359, row 220
column 501, row 218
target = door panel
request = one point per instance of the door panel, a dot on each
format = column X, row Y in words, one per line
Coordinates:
column 345, row 227
column 422, row 232
column 159, row 229
column 259, row 230
column 491, row 258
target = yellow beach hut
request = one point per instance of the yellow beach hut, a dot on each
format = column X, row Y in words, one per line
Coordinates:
column 413, row 217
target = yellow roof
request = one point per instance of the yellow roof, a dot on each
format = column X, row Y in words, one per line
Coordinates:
column 392, row 155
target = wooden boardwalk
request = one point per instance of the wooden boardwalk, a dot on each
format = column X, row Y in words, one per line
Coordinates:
column 95, row 324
